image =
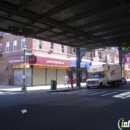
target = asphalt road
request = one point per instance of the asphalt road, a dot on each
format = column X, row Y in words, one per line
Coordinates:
column 94, row 109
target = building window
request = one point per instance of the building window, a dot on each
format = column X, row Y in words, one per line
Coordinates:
column 52, row 45
column 40, row 44
column 105, row 57
column 62, row 48
column 91, row 55
column 99, row 55
column 7, row 46
column 0, row 47
column 22, row 43
column 72, row 50
column 14, row 45
column 110, row 58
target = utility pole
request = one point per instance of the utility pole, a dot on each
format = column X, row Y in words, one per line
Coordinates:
column 24, row 68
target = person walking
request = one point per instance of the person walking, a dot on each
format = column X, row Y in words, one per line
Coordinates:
column 71, row 82
column 66, row 78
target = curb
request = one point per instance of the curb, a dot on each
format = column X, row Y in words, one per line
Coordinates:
column 65, row 90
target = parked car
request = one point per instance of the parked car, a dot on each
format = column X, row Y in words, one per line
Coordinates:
column 123, row 80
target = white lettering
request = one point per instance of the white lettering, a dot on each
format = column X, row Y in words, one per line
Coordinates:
column 126, row 125
column 55, row 62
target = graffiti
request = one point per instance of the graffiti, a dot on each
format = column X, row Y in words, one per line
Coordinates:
column 2, row 78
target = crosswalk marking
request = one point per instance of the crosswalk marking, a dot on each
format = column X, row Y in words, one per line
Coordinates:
column 73, row 92
column 97, row 93
column 108, row 94
column 89, row 92
column 10, row 93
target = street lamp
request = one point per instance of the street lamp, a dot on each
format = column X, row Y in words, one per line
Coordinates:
column 24, row 68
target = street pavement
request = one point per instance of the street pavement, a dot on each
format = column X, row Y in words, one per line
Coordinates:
column 81, row 109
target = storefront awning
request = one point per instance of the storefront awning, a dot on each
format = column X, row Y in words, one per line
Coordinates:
column 84, row 63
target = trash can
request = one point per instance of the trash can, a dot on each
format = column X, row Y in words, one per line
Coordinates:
column 53, row 84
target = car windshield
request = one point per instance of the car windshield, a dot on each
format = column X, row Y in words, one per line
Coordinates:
column 93, row 76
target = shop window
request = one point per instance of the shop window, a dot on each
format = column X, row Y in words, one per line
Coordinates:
column 84, row 74
column 40, row 44
column 22, row 43
column 7, row 46
column 14, row 45
column 62, row 48
column 74, row 74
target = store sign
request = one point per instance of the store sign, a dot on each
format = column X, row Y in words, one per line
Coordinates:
column 18, row 59
column 15, row 59
column 31, row 59
column 53, row 61
column 51, row 67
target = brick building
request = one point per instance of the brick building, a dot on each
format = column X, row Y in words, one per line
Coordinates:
column 44, row 60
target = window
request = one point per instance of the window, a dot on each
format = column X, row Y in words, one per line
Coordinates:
column 72, row 50
column 99, row 55
column 14, row 45
column 52, row 45
column 104, row 57
column 91, row 54
column 0, row 47
column 110, row 58
column 22, row 43
column 7, row 46
column 62, row 48
column 40, row 44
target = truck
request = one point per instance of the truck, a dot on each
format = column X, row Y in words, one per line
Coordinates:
column 103, row 75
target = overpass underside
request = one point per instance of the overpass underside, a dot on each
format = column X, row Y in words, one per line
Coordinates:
column 78, row 23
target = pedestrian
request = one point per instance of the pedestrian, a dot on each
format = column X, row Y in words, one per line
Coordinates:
column 66, row 78
column 71, row 82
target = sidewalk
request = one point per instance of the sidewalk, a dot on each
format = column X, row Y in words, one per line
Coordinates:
column 61, row 87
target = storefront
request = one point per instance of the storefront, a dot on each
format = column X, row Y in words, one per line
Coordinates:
column 83, row 70
column 17, row 64
column 40, row 70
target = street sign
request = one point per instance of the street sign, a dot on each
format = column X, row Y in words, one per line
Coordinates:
column 28, row 54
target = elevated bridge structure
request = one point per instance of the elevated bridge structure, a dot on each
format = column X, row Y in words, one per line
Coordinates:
column 78, row 23
column 89, row 24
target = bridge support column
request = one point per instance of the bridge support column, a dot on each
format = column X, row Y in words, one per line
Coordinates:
column 120, row 59
column 78, row 60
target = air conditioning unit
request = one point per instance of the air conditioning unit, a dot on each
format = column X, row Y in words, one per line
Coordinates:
column 4, row 67
column 50, row 51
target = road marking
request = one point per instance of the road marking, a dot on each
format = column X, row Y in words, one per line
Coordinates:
column 97, row 93
column 73, row 92
column 89, row 92
column 10, row 93
column 108, row 94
